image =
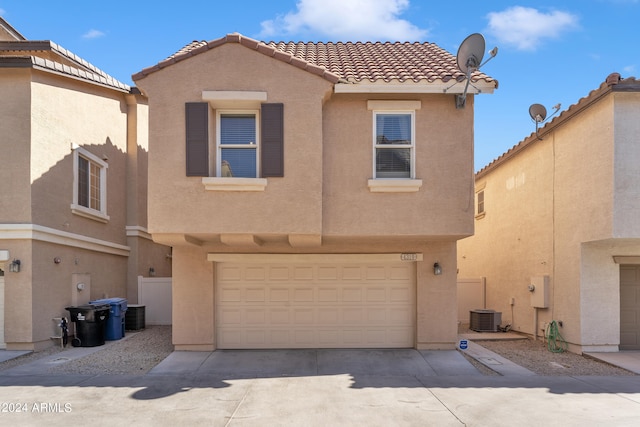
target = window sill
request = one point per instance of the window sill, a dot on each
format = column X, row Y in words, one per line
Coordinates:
column 480, row 215
column 234, row 184
column 394, row 185
column 89, row 213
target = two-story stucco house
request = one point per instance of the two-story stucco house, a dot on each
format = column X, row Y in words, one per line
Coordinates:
column 557, row 233
column 309, row 189
column 73, row 169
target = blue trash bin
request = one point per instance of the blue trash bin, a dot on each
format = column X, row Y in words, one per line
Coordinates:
column 114, row 326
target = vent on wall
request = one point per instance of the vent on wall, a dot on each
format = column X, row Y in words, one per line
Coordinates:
column 484, row 320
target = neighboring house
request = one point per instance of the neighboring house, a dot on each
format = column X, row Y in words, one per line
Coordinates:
column 561, row 212
column 74, row 175
column 308, row 189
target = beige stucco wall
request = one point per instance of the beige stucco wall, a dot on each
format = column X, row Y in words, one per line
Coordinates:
column 627, row 172
column 332, row 138
column 289, row 204
column 94, row 119
column 15, row 132
column 573, row 210
column 444, row 158
column 42, row 116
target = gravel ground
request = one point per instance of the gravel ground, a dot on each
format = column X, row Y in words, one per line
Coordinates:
column 535, row 356
column 136, row 354
column 140, row 351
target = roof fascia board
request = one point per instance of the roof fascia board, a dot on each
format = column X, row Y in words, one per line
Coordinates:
column 444, row 88
column 61, row 70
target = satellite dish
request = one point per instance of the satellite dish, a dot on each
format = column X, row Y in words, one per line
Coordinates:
column 470, row 53
column 469, row 59
column 539, row 115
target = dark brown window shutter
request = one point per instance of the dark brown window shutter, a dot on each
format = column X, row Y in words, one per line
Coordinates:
column 272, row 148
column 197, row 124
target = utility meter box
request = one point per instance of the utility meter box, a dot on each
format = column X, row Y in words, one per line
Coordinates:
column 539, row 288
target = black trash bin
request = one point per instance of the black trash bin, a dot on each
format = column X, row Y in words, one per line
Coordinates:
column 89, row 323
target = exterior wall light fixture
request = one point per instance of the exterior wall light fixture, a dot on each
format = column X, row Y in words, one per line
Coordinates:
column 437, row 270
column 152, row 272
column 14, row 267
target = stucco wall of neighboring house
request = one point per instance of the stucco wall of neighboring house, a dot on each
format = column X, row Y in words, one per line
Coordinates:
column 512, row 241
column 15, row 131
column 43, row 116
column 627, row 171
column 65, row 113
column 576, row 210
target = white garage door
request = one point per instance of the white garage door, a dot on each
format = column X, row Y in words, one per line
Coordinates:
column 315, row 305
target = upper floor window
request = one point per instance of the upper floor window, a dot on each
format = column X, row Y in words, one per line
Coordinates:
column 249, row 143
column 394, row 144
column 237, row 144
column 90, row 185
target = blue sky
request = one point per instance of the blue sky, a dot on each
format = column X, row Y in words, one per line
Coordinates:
column 550, row 52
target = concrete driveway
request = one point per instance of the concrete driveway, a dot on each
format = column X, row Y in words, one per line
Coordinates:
column 316, row 388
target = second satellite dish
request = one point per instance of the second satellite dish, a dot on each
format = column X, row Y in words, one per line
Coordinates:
column 539, row 115
column 469, row 59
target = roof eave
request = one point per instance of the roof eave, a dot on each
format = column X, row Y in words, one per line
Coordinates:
column 415, row 87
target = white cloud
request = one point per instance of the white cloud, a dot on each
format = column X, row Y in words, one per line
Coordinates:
column 346, row 20
column 629, row 69
column 93, row 34
column 2, row 12
column 526, row 28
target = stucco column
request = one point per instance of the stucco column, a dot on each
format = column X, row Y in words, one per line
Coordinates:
column 436, row 316
column 192, row 294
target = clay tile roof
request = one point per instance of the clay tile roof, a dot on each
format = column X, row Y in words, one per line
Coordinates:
column 613, row 83
column 348, row 62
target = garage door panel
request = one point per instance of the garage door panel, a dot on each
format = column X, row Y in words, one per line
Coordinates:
column 303, row 295
column 230, row 294
column 304, row 316
column 328, row 295
column 315, row 306
column 376, row 273
column 254, row 295
column 255, row 316
column 353, row 316
column 352, row 295
column 327, row 273
column 328, row 316
column 376, row 294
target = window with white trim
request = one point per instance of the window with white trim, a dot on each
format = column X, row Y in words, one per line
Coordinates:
column 394, row 144
column 237, row 144
column 89, row 185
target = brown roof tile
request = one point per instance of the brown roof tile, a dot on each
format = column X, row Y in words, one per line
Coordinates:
column 370, row 62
